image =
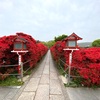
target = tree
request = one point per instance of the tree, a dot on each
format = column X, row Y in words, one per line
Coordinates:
column 59, row 38
column 96, row 43
column 49, row 43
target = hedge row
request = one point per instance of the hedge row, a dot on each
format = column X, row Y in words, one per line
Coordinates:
column 36, row 50
column 85, row 63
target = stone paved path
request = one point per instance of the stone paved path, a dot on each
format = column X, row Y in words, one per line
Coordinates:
column 44, row 83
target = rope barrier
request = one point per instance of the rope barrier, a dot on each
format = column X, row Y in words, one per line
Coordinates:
column 67, row 68
column 8, row 65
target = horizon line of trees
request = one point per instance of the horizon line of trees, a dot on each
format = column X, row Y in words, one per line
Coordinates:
column 95, row 43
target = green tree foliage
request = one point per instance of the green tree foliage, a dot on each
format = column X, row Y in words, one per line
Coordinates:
column 96, row 43
column 52, row 42
column 49, row 43
column 59, row 38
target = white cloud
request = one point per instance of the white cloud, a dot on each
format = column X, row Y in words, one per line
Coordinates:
column 6, row 5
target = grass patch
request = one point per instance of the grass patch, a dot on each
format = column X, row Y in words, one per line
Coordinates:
column 71, row 84
column 75, row 82
column 11, row 81
column 29, row 72
column 61, row 70
column 14, row 81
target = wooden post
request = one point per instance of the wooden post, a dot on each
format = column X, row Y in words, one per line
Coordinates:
column 70, row 62
column 19, row 63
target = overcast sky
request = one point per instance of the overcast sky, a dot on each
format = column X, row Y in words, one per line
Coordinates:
column 45, row 19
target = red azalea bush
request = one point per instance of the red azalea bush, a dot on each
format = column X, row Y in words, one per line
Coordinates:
column 35, row 52
column 57, row 50
column 42, row 49
column 85, row 63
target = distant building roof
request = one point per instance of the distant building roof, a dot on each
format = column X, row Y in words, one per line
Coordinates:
column 19, row 39
column 73, row 36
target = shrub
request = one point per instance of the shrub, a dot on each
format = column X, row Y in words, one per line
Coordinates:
column 85, row 63
column 35, row 52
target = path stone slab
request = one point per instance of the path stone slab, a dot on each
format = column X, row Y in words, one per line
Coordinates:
column 32, row 84
column 42, row 93
column 96, row 92
column 27, row 96
column 7, row 93
column 4, row 92
column 57, row 97
column 44, row 79
column 37, row 74
column 52, row 69
column 11, row 94
column 46, row 69
column 53, row 75
column 81, row 94
column 55, row 87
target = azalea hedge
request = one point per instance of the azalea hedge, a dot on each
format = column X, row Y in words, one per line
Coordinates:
column 36, row 50
column 85, row 63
